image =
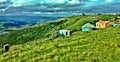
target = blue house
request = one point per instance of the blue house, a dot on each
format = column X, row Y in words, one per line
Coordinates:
column 65, row 32
column 116, row 25
column 87, row 27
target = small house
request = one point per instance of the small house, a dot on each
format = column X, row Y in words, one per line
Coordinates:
column 116, row 25
column 117, row 20
column 87, row 27
column 6, row 47
column 104, row 24
column 65, row 32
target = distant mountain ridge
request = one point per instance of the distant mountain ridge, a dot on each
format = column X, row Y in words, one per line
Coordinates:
column 9, row 23
column 29, row 19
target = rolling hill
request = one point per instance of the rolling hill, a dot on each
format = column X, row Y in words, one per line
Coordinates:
column 39, row 43
column 13, row 23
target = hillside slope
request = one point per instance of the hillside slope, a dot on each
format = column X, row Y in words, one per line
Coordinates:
column 34, row 45
column 100, row 46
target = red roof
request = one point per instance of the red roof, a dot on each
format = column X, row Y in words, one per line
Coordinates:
column 103, row 22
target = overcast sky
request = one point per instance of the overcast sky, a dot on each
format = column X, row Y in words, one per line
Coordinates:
column 58, row 7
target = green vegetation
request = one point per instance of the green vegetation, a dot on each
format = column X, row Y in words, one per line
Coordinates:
column 39, row 44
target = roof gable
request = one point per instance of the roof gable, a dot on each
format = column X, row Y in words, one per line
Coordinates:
column 88, row 25
column 102, row 22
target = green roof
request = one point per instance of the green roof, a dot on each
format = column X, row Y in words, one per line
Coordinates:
column 88, row 25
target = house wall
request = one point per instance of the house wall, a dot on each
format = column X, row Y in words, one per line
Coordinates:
column 64, row 32
column 97, row 25
column 110, row 23
column 100, row 25
column 85, row 29
column 118, row 21
column 68, row 33
column 116, row 25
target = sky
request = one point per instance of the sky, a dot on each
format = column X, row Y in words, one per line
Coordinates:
column 58, row 7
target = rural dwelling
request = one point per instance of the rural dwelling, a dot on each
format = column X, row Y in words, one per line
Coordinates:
column 65, row 32
column 117, row 20
column 104, row 24
column 87, row 27
column 6, row 47
column 116, row 25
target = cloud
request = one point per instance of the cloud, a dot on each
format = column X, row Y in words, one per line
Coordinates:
column 58, row 3
column 56, row 6
column 2, row 0
column 4, row 4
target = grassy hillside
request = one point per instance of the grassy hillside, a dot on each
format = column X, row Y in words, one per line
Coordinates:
column 34, row 44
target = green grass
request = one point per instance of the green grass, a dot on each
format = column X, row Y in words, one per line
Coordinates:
column 33, row 45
